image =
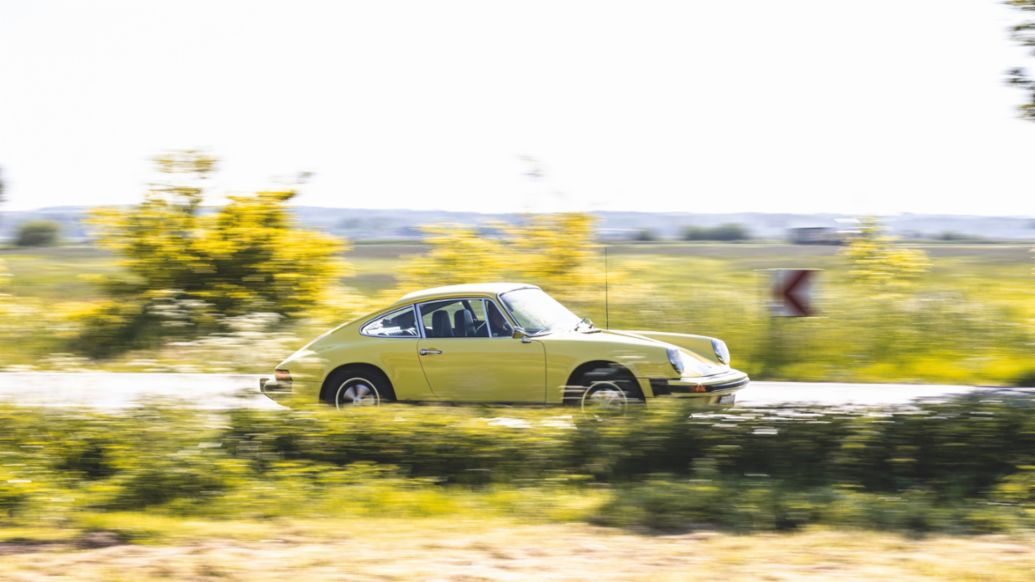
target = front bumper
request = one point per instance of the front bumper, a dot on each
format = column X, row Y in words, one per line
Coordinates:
column 717, row 389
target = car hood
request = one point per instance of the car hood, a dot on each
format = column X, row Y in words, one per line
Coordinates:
column 695, row 365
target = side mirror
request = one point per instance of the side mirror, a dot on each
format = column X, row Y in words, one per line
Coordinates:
column 521, row 334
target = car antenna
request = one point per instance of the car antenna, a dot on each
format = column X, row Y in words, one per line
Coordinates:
column 606, row 321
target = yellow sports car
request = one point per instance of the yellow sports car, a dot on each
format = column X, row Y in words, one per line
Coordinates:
column 499, row 343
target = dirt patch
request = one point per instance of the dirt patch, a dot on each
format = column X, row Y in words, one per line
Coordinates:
column 438, row 550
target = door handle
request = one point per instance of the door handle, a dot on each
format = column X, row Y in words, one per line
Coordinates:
column 427, row 352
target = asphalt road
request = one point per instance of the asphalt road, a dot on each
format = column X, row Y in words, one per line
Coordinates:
column 102, row 390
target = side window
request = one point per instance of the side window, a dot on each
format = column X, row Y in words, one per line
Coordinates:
column 401, row 323
column 498, row 326
column 454, row 318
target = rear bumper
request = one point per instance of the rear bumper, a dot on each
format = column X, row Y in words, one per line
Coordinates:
column 276, row 391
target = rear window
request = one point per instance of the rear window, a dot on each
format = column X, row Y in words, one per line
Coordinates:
column 401, row 323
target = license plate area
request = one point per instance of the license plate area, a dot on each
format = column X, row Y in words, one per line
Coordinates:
column 727, row 398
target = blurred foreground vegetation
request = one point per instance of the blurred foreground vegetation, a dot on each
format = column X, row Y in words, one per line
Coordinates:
column 963, row 466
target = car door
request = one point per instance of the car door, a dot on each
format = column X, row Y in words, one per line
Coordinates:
column 468, row 354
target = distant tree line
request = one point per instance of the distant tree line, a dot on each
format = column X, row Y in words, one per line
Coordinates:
column 723, row 232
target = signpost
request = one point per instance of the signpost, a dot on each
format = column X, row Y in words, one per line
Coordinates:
column 791, row 292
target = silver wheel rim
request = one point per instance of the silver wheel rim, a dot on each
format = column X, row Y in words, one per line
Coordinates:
column 604, row 398
column 356, row 392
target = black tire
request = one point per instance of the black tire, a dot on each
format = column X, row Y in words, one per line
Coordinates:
column 357, row 386
column 609, row 389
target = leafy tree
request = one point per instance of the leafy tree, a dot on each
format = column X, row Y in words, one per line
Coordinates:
column 458, row 254
column 37, row 233
column 877, row 263
column 188, row 269
column 556, row 251
column 1024, row 34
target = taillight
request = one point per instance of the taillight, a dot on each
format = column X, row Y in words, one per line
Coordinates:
column 282, row 376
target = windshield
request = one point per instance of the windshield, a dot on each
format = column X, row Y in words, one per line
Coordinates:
column 537, row 312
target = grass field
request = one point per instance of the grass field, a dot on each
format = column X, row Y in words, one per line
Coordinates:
column 971, row 319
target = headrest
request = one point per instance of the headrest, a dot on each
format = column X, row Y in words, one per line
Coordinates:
column 463, row 323
column 440, row 325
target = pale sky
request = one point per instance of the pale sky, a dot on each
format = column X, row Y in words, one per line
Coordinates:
column 883, row 106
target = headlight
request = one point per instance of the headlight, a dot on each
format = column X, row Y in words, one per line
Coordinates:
column 676, row 360
column 722, row 353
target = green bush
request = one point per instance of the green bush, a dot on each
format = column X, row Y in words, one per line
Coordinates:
column 964, row 466
column 451, row 445
column 37, row 233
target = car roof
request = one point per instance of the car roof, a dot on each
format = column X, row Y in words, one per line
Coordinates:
column 466, row 289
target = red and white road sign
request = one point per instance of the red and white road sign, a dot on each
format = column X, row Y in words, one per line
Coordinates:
column 791, row 292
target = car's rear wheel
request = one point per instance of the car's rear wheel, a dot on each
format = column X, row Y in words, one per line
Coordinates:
column 352, row 387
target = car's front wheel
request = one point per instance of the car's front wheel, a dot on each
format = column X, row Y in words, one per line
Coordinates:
column 359, row 387
column 608, row 390
column 605, row 397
